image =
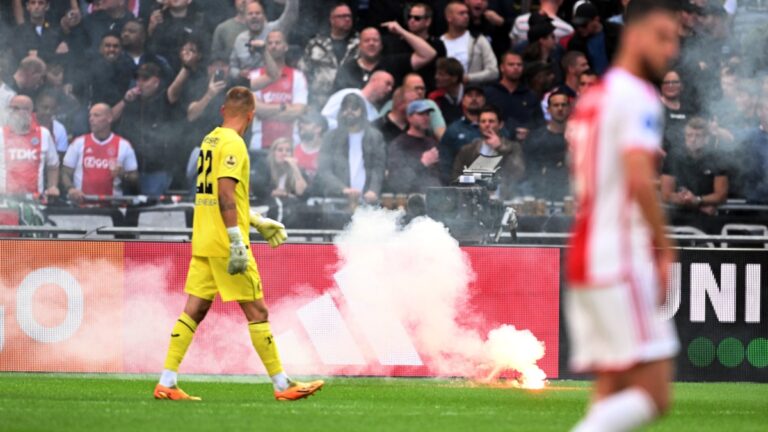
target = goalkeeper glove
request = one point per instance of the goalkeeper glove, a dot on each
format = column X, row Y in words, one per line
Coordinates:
column 238, row 254
column 272, row 230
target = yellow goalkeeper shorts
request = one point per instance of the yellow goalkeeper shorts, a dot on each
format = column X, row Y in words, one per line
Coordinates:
column 208, row 276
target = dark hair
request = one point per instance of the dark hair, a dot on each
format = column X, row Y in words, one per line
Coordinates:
column 490, row 109
column 510, row 53
column 113, row 34
column 569, row 59
column 557, row 92
column 451, row 66
column 338, row 5
column 427, row 9
column 639, row 9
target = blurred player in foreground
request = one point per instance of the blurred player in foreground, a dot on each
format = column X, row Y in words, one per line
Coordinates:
column 614, row 291
column 221, row 258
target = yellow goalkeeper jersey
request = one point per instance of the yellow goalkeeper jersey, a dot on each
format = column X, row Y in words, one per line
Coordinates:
column 223, row 153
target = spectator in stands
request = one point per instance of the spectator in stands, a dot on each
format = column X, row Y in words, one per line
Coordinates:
column 68, row 109
column 355, row 72
column 574, row 63
column 352, row 157
column 413, row 83
column 134, row 38
column 38, row 35
column 110, row 17
column 325, row 53
column 418, row 18
column 6, row 93
column 545, row 152
column 192, row 72
column 693, row 177
column 45, row 108
column 312, row 127
column 171, row 26
column 449, row 79
column 676, row 113
column 549, row 8
column 374, row 93
column 587, row 79
column 484, row 21
column 518, row 104
column 281, row 95
column 412, row 158
column 105, row 80
column 248, row 51
column 204, row 100
column 101, row 162
column 474, row 53
column 395, row 121
column 29, row 77
column 597, row 40
column 143, row 117
column 30, row 159
column 541, row 41
column 492, row 143
column 462, row 131
column 280, row 177
column 225, row 34
column 754, row 178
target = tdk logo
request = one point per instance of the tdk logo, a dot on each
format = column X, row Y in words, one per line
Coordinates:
column 23, row 154
column 94, row 162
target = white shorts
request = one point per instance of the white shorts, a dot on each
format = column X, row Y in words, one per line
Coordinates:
column 616, row 327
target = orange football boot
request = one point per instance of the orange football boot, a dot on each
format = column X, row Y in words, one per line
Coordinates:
column 173, row 393
column 299, row 390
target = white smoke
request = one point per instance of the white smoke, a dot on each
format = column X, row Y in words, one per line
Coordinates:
column 418, row 275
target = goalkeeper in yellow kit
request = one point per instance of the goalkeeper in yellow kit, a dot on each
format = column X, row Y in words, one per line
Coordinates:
column 221, row 260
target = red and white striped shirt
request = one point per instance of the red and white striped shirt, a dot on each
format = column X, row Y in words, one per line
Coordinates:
column 611, row 239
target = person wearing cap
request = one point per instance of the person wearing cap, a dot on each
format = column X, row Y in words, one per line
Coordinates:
column 449, row 78
column 352, row 157
column 412, row 158
column 597, row 40
column 462, row 131
column 493, row 143
column 518, row 104
column 474, row 53
column 542, row 46
column 414, row 84
column 143, row 117
column 548, row 8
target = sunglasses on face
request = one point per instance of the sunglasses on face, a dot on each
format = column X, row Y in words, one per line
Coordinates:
column 417, row 17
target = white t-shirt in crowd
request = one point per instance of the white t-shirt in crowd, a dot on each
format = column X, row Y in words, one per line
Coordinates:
column 356, row 163
column 458, row 48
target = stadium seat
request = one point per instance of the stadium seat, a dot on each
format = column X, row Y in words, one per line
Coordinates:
column 744, row 229
column 684, row 230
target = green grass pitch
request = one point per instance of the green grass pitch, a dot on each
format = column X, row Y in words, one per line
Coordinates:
column 106, row 403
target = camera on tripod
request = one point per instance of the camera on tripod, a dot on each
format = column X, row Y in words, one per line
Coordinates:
column 467, row 209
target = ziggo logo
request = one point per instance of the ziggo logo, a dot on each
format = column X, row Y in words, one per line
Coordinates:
column 94, row 162
column 24, row 298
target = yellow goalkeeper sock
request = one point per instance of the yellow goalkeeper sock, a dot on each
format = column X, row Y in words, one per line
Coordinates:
column 263, row 341
column 181, row 337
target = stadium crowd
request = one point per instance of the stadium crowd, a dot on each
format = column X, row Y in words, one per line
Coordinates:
column 358, row 99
